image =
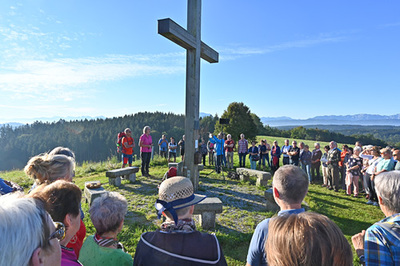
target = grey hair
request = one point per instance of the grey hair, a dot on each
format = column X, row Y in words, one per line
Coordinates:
column 386, row 150
column 334, row 144
column 292, row 183
column 387, row 186
column 108, row 211
column 146, row 128
column 357, row 148
column 24, row 227
column 317, row 144
column 127, row 129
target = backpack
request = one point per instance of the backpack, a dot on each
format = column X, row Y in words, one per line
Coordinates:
column 120, row 136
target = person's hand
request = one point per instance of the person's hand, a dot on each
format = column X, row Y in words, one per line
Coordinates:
column 358, row 242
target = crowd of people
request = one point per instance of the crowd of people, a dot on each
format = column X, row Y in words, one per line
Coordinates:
column 46, row 225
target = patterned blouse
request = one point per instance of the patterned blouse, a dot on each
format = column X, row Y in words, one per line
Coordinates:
column 353, row 161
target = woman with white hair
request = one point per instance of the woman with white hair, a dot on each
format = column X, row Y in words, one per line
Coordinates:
column 380, row 243
column 107, row 214
column 353, row 172
column 29, row 236
column 145, row 144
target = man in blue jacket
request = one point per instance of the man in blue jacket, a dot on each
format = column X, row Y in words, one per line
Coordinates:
column 219, row 150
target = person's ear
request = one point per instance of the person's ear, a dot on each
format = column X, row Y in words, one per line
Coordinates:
column 36, row 259
column 120, row 226
column 380, row 201
column 67, row 220
column 276, row 193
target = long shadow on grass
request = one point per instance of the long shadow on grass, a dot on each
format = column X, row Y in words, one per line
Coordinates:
column 232, row 198
column 325, row 202
column 234, row 243
column 140, row 188
column 349, row 226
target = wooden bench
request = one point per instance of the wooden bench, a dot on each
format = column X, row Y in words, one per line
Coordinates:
column 114, row 176
column 92, row 193
column 207, row 209
column 262, row 177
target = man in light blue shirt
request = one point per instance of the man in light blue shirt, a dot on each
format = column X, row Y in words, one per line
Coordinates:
column 285, row 152
column 290, row 186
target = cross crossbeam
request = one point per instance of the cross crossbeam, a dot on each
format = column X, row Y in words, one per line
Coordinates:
column 174, row 32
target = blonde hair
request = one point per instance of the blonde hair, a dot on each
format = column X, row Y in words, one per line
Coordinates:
column 306, row 239
column 47, row 168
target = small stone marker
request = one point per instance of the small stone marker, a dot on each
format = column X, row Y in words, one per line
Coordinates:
column 207, row 209
column 92, row 193
column 114, row 176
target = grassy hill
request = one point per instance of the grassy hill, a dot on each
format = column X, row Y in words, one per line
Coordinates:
column 244, row 204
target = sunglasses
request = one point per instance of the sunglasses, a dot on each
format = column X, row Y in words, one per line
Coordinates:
column 59, row 233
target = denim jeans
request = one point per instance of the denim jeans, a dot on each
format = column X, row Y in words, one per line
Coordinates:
column 242, row 159
column 308, row 171
column 253, row 164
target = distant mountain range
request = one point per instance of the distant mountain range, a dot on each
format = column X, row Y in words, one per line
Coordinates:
column 358, row 119
column 23, row 121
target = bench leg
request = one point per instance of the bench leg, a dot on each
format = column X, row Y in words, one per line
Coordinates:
column 261, row 181
column 132, row 178
column 244, row 177
column 207, row 220
column 115, row 181
column 118, row 181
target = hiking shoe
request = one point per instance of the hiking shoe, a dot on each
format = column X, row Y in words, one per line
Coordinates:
column 370, row 202
column 375, row 204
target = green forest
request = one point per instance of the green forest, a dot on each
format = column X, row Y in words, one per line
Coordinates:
column 95, row 140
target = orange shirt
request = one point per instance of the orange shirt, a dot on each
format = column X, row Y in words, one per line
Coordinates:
column 342, row 155
column 129, row 140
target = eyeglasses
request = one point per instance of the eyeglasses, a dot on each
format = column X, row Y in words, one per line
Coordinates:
column 59, row 233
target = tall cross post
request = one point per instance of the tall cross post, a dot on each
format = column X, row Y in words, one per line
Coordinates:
column 190, row 39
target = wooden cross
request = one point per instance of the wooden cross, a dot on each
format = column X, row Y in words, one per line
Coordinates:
column 190, row 39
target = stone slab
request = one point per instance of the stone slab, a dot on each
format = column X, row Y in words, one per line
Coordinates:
column 92, row 193
column 207, row 205
column 262, row 176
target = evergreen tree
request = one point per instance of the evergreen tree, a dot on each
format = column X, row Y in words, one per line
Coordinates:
column 240, row 121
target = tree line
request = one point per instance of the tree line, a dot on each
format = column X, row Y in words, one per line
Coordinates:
column 95, row 140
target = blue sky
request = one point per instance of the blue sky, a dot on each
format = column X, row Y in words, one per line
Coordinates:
column 281, row 58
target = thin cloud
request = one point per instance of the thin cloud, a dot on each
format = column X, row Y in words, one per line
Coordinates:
column 237, row 52
column 60, row 78
column 389, row 25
